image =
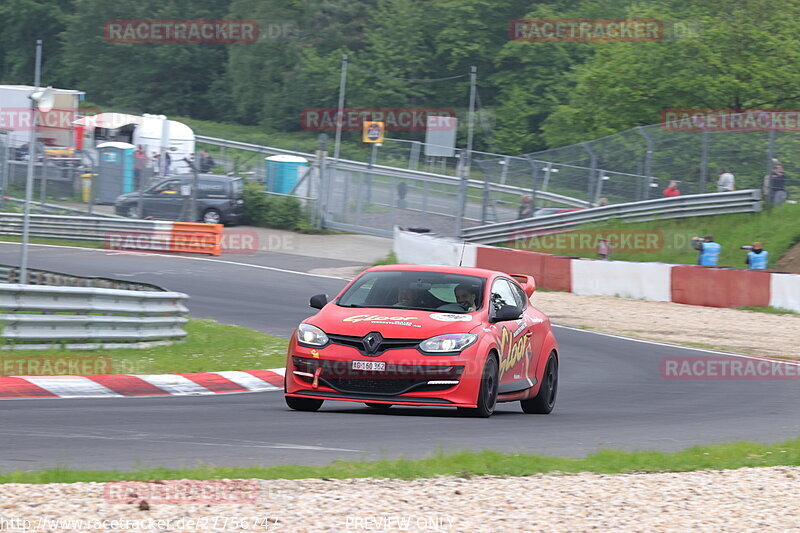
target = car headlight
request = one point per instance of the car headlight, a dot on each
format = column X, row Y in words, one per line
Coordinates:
column 311, row 335
column 451, row 342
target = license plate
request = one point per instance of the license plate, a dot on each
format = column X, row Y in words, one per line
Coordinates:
column 374, row 366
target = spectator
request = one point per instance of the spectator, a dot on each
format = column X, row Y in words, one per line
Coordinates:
column 206, row 161
column 139, row 164
column 525, row 207
column 709, row 250
column 602, row 202
column 726, row 181
column 604, row 249
column 167, row 162
column 776, row 185
column 672, row 190
column 757, row 258
column 156, row 158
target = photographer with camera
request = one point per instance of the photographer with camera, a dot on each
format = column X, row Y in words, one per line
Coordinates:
column 757, row 258
column 709, row 250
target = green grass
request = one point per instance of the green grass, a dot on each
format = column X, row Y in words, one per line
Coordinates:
column 59, row 242
column 462, row 464
column 778, row 229
column 390, row 259
column 768, row 309
column 209, row 346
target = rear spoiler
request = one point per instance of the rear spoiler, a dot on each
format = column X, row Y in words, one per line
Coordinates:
column 527, row 282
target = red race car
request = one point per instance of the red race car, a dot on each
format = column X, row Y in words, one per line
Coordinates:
column 426, row 335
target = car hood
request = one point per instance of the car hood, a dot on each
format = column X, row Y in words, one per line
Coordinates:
column 127, row 196
column 393, row 323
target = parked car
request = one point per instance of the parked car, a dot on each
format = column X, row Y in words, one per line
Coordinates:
column 219, row 199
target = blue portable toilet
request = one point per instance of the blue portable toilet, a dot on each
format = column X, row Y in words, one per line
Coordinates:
column 283, row 172
column 114, row 171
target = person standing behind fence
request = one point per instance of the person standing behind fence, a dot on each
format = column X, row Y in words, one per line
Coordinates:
column 726, row 181
column 139, row 164
column 603, row 249
column 671, row 190
column 757, row 257
column 776, row 185
column 525, row 207
column 709, row 250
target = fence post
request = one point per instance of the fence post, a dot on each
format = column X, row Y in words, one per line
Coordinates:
column 323, row 179
column 534, row 175
column 648, row 162
column 592, row 169
column 771, row 150
column 704, row 164
column 413, row 156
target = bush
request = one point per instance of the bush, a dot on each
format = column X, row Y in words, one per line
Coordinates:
column 280, row 212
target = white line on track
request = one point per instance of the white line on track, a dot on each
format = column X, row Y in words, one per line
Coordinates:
column 755, row 357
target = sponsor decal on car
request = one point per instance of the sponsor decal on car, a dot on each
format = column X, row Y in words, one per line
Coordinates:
column 450, row 317
column 390, row 320
column 511, row 351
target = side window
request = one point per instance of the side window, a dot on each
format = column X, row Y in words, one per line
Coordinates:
column 520, row 296
column 211, row 189
column 502, row 294
column 171, row 187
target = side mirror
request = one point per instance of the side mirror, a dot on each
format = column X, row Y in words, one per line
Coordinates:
column 507, row 312
column 318, row 301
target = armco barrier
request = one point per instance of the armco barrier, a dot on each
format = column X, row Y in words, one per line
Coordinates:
column 121, row 233
column 719, row 287
column 650, row 281
column 785, row 291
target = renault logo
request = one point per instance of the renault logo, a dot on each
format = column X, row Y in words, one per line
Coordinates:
column 372, row 342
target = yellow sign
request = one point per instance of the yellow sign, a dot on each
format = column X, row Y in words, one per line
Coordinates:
column 373, row 132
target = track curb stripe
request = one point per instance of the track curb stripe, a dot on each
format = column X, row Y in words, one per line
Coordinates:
column 127, row 385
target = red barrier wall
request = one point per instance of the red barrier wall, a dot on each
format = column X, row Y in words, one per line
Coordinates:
column 718, row 287
column 549, row 271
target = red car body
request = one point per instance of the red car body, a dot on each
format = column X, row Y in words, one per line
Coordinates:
column 399, row 372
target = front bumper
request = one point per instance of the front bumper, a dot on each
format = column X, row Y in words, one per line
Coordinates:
column 409, row 377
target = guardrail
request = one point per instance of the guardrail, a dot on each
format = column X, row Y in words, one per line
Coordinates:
column 34, row 316
column 393, row 172
column 10, row 274
column 55, row 207
column 745, row 201
column 121, row 233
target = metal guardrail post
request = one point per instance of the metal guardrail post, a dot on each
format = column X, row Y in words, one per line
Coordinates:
column 648, row 162
column 592, row 169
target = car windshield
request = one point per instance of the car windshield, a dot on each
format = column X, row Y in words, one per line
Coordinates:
column 406, row 289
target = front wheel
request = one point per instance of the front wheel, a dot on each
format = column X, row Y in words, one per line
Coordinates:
column 543, row 403
column 132, row 212
column 487, row 395
column 303, row 404
column 212, row 216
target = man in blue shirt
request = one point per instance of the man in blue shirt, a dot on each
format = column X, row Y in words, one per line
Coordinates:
column 757, row 258
column 709, row 250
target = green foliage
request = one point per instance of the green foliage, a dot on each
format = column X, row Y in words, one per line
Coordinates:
column 281, row 212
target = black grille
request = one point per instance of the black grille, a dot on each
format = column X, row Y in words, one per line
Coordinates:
column 391, row 386
column 385, row 344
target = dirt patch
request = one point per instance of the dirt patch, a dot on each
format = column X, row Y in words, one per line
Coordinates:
column 790, row 262
column 729, row 330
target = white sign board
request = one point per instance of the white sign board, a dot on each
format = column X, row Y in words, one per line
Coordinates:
column 440, row 136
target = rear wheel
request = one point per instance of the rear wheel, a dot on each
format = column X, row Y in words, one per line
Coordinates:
column 303, row 404
column 378, row 405
column 487, row 395
column 544, row 402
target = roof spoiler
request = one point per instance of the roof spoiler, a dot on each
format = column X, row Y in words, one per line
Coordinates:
column 527, row 282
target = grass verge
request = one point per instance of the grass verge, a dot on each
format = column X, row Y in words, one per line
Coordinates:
column 769, row 309
column 210, row 346
column 58, row 242
column 463, row 464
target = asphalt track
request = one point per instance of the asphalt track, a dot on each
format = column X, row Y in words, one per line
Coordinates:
column 611, row 393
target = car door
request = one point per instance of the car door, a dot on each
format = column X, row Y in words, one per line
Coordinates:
column 536, row 329
column 164, row 201
column 513, row 338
